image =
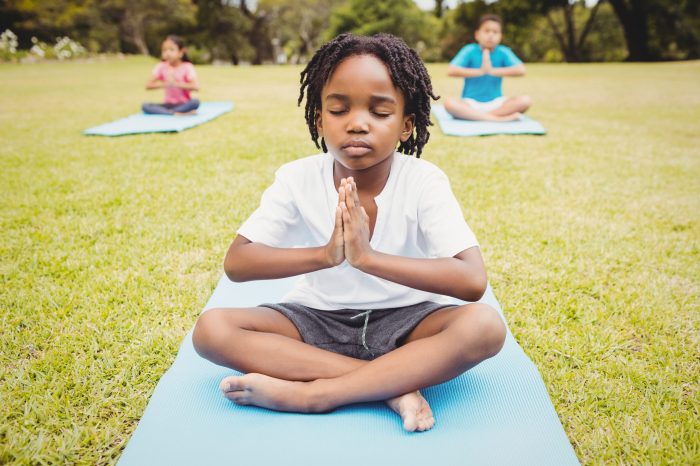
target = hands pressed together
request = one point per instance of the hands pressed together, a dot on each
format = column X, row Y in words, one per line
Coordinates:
column 350, row 237
column 486, row 67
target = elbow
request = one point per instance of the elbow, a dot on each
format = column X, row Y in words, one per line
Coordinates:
column 233, row 271
column 523, row 71
column 475, row 288
column 453, row 72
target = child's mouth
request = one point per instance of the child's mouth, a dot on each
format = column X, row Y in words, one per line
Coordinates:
column 356, row 148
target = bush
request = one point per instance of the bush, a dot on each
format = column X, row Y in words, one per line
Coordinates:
column 8, row 46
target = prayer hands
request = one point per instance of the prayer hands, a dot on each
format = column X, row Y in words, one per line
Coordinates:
column 170, row 79
column 350, row 237
column 486, row 66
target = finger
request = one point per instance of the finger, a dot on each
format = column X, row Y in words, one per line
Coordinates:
column 350, row 197
column 341, row 194
column 365, row 217
column 338, row 219
column 346, row 215
column 356, row 195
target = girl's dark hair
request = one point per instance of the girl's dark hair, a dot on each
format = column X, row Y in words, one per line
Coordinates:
column 489, row 17
column 180, row 45
column 405, row 67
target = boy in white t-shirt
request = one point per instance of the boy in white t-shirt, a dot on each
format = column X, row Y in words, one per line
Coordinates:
column 380, row 242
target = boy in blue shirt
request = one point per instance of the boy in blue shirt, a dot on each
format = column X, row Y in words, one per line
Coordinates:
column 483, row 66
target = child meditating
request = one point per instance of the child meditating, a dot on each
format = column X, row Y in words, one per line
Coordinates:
column 379, row 241
column 483, row 66
column 176, row 74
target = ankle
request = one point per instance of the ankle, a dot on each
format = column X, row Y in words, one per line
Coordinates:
column 318, row 397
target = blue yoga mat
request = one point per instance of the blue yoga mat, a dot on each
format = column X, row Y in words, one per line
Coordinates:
column 143, row 123
column 497, row 413
column 455, row 127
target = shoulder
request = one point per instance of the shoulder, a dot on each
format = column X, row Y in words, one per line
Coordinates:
column 468, row 49
column 302, row 168
column 505, row 50
column 160, row 66
column 419, row 173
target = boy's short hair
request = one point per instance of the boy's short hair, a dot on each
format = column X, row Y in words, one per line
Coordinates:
column 488, row 17
column 405, row 67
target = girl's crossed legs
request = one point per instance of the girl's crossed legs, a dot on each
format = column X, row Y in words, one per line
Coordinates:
column 285, row 374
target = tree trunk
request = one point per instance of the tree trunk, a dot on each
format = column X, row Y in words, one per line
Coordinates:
column 133, row 26
column 633, row 18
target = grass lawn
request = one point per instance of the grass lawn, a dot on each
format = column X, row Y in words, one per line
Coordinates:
column 111, row 246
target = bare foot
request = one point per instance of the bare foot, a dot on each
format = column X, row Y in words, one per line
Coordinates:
column 268, row 392
column 414, row 410
column 191, row 112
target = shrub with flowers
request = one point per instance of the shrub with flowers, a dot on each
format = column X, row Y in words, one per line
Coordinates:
column 64, row 48
column 8, row 45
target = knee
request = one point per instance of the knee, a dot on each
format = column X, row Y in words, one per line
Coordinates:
column 487, row 331
column 208, row 330
column 492, row 330
column 450, row 104
column 525, row 102
column 194, row 103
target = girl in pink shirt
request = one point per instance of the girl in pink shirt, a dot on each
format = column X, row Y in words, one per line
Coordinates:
column 176, row 75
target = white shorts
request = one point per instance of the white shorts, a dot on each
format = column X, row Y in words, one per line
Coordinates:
column 485, row 106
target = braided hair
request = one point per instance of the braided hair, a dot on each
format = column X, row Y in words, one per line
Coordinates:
column 406, row 69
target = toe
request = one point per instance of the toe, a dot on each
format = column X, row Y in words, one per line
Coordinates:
column 230, row 384
column 410, row 423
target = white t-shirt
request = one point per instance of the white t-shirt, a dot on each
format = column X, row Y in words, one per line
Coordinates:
column 417, row 216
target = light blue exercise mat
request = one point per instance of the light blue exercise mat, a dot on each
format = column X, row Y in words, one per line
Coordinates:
column 144, row 123
column 498, row 413
column 455, row 127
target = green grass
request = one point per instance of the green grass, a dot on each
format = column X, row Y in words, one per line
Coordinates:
column 111, row 246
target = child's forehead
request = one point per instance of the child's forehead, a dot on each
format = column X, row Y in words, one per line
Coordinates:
column 490, row 24
column 360, row 67
column 169, row 43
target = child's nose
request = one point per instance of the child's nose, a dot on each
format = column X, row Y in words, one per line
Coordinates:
column 358, row 122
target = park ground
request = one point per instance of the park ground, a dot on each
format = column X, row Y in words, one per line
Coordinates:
column 111, row 246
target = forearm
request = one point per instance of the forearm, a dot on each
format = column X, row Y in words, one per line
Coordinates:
column 151, row 85
column 255, row 261
column 518, row 70
column 460, row 72
column 187, row 86
column 462, row 279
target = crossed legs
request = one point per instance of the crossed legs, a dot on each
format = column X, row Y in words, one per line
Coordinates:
column 511, row 109
column 285, row 374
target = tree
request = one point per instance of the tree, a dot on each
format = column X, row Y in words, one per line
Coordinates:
column 571, row 45
column 299, row 26
column 398, row 17
column 658, row 29
column 223, row 29
column 138, row 16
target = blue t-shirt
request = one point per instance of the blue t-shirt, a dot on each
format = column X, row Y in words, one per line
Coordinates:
column 484, row 88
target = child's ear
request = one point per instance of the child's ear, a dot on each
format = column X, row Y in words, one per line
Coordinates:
column 319, row 126
column 409, row 122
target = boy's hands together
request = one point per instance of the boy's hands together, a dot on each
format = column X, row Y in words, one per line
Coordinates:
column 350, row 237
column 486, row 66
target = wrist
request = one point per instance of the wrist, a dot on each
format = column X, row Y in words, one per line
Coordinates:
column 367, row 261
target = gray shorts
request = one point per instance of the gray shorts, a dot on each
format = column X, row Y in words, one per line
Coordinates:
column 356, row 333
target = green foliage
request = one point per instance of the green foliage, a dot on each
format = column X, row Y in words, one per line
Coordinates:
column 398, row 17
column 267, row 31
column 222, row 31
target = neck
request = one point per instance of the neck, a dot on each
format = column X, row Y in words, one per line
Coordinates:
column 371, row 180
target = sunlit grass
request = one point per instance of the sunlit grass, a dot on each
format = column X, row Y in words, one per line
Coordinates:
column 111, row 246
